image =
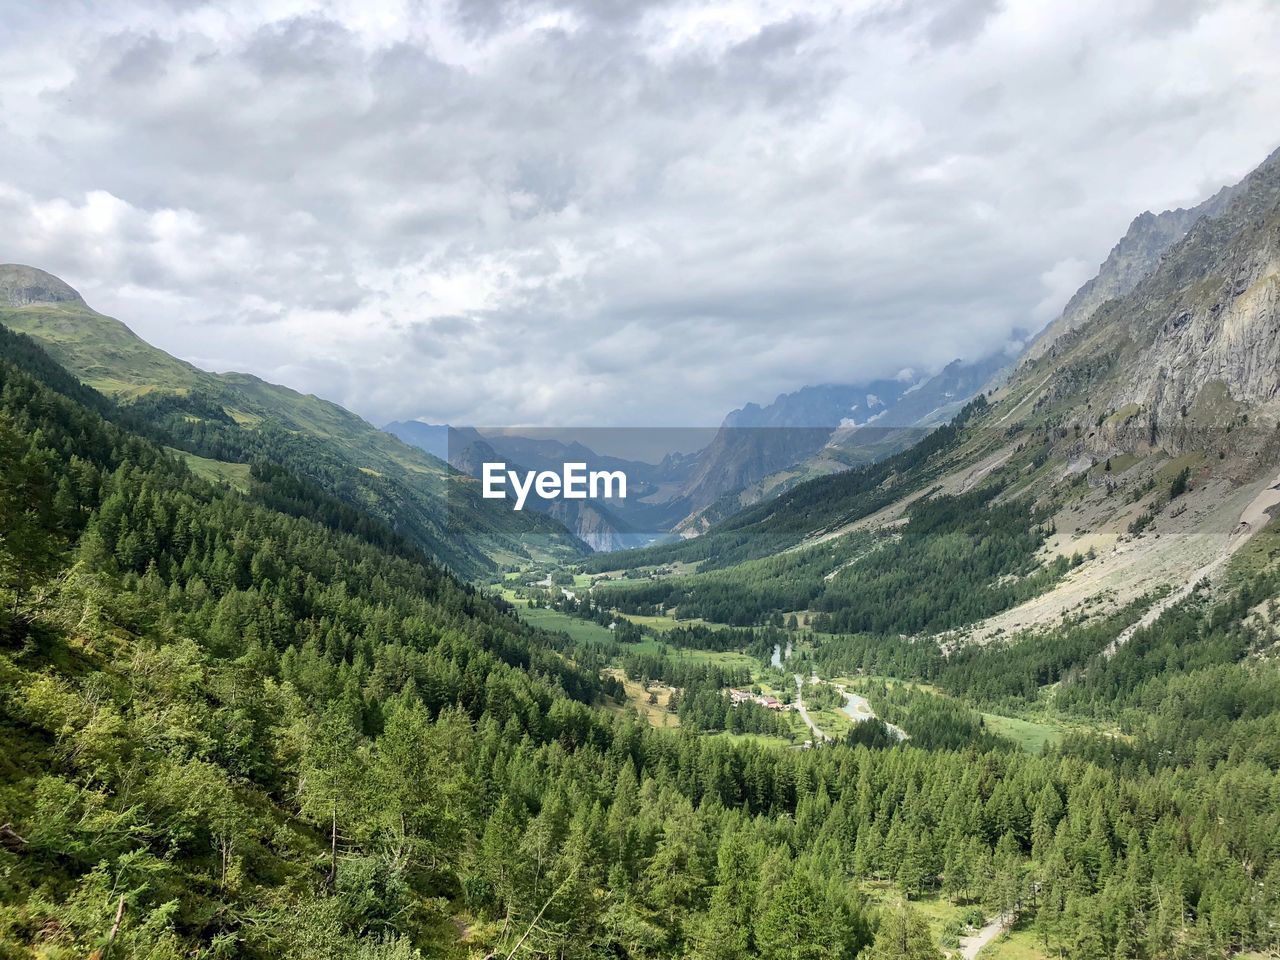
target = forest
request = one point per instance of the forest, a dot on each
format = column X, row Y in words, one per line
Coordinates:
column 261, row 723
column 957, row 559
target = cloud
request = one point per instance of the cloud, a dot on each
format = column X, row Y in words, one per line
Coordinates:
column 617, row 213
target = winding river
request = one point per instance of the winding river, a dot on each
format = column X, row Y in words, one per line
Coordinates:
column 858, row 709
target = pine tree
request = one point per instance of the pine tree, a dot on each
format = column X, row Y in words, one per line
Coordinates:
column 725, row 932
column 903, row 935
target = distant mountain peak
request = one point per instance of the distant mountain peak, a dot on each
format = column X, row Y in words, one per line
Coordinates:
column 21, row 285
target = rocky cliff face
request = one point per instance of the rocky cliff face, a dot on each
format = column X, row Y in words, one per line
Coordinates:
column 1135, row 257
column 22, row 285
column 1190, row 357
column 1207, row 324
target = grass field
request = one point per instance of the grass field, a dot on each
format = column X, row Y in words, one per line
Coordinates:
column 234, row 474
column 1018, row 944
column 760, row 739
column 835, row 723
column 1030, row 735
column 727, row 659
column 938, row 911
column 585, row 631
column 665, row 622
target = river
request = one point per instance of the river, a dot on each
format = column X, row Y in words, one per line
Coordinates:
column 858, row 709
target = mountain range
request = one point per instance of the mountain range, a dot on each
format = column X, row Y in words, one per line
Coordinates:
column 1011, row 687
column 758, row 453
column 1144, row 431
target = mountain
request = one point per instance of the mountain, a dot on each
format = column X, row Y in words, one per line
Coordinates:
column 759, row 452
column 756, row 442
column 234, row 675
column 1138, row 253
column 1141, row 446
column 235, row 419
column 240, row 716
column 1189, row 359
column 826, row 406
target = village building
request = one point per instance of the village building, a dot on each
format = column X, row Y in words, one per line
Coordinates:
column 746, row 696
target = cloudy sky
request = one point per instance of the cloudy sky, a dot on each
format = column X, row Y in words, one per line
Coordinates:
column 606, row 211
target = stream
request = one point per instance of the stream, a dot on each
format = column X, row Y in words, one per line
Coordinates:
column 858, row 708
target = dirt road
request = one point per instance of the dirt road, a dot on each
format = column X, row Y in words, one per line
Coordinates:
column 818, row 735
column 972, row 945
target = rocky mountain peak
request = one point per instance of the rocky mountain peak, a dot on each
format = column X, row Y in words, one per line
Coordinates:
column 1187, row 359
column 1138, row 253
column 21, row 285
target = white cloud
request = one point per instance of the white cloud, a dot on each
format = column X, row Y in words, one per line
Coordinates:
column 608, row 213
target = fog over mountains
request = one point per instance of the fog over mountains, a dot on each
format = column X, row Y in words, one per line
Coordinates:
column 642, row 213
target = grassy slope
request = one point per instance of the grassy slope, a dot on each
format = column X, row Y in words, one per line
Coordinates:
column 235, row 475
column 107, row 355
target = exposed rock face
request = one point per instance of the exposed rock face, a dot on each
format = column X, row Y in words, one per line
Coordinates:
column 739, row 456
column 1134, row 258
column 1207, row 324
column 22, row 285
column 1189, row 359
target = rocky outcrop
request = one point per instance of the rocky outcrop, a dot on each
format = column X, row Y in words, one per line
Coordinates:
column 1206, row 326
column 1133, row 259
column 21, row 286
column 1189, row 359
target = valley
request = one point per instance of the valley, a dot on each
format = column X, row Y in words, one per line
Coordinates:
column 696, row 480
column 277, row 684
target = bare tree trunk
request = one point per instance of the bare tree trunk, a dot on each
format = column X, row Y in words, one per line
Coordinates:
column 224, row 848
column 115, row 927
column 554, row 893
column 333, row 847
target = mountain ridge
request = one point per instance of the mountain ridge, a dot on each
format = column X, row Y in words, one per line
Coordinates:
column 1147, row 435
column 240, row 415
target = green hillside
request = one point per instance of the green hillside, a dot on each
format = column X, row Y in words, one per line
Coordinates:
column 246, row 719
column 241, row 418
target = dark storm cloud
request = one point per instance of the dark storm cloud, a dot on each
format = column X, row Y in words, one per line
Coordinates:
column 610, row 212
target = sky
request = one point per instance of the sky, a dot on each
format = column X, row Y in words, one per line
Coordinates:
column 616, row 212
